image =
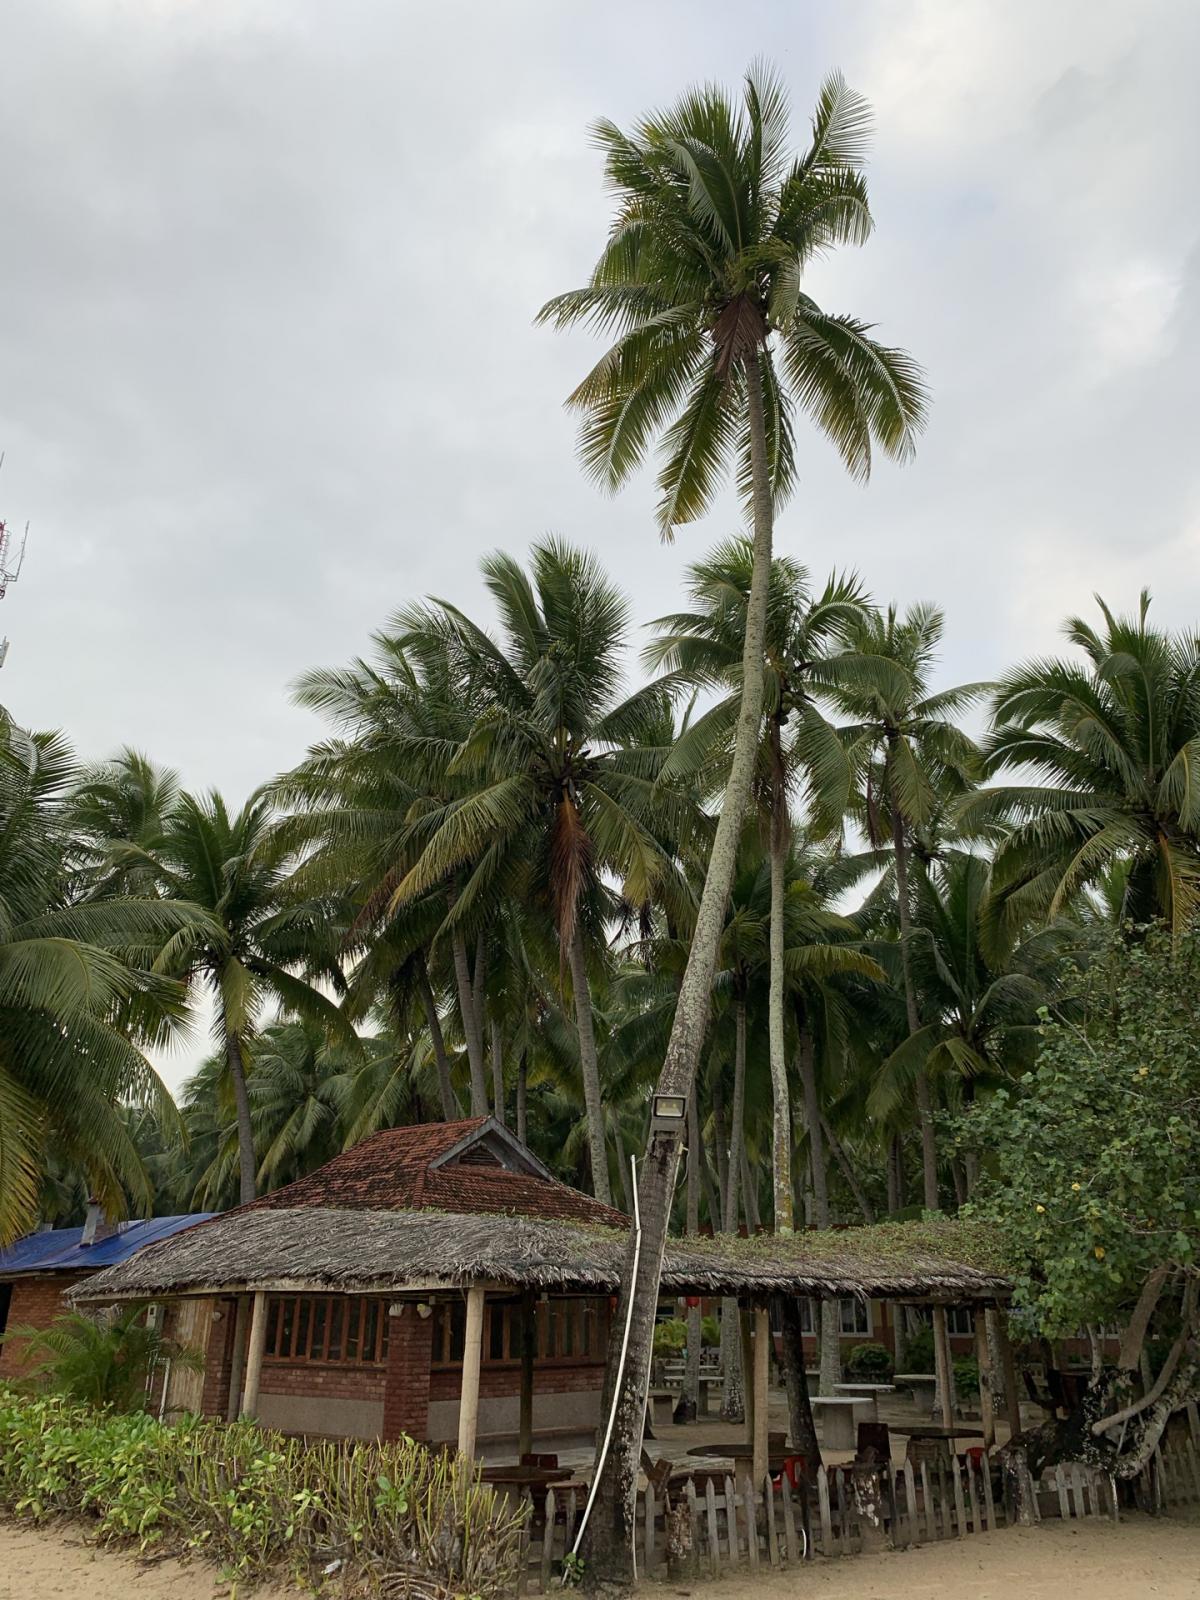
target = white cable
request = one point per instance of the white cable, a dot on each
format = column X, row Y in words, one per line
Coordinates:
column 612, row 1415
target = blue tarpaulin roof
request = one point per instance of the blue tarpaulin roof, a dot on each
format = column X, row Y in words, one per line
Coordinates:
column 61, row 1250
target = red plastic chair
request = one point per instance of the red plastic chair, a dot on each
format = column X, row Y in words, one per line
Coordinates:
column 794, row 1469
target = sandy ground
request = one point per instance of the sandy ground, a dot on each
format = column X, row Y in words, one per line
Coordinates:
column 1091, row 1562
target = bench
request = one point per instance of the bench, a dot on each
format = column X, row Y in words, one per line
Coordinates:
column 867, row 1391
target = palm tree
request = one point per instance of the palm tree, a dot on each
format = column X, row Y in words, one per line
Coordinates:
column 1116, row 742
column 805, row 650
column 235, row 866
column 912, row 759
column 983, row 1005
column 716, row 345
column 78, row 996
column 551, row 790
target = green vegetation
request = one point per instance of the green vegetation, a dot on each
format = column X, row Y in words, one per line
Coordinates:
column 101, row 1361
column 870, row 1363
column 259, row 1504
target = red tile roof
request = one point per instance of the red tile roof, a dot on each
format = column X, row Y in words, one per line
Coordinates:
column 393, row 1171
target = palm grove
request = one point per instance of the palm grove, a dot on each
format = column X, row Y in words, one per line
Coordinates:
column 852, row 917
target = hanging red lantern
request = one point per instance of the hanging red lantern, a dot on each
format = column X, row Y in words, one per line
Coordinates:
column 692, row 1301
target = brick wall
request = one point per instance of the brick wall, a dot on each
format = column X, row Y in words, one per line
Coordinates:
column 36, row 1302
column 218, row 1361
column 407, row 1383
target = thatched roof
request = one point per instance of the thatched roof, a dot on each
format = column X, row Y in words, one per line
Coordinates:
column 387, row 1252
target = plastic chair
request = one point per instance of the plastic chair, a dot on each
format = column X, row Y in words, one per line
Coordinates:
column 794, row 1469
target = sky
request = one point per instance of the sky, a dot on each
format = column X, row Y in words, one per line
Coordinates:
column 268, row 367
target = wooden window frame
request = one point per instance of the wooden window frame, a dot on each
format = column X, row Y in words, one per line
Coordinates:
column 301, row 1328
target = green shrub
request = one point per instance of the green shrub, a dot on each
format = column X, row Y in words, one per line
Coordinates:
column 966, row 1377
column 101, row 1362
column 670, row 1337
column 919, row 1351
column 388, row 1514
column 710, row 1333
column 870, row 1363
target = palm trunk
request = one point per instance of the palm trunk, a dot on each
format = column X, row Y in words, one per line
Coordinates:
column 830, row 1337
column 523, row 1098
column 895, row 1175
column 781, row 1111
column 610, row 1532
column 497, row 1070
column 450, row 1106
column 924, row 1098
column 691, row 1373
column 470, row 1025
column 733, row 1399
column 791, row 1360
column 749, row 1194
column 589, row 1066
column 247, row 1165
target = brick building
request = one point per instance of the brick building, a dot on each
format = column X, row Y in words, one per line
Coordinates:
column 438, row 1281
column 36, row 1272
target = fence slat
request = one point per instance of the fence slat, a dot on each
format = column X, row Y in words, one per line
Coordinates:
column 931, row 1527
column 973, row 1492
column 910, row 1503
column 826, row 1520
column 843, row 1512
column 694, row 1524
column 714, row 1543
column 960, row 1515
column 1060, row 1483
column 731, row 1522
column 989, row 1504
column 648, row 1528
column 1193, row 1457
column 749, row 1501
column 789, row 1518
column 772, row 1536
column 548, row 1541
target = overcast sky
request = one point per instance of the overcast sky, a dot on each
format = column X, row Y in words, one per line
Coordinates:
column 267, row 363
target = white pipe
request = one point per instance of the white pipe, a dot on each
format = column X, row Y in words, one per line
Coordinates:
column 612, row 1415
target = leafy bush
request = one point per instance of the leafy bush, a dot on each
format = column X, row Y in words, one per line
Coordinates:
column 670, row 1337
column 919, row 1351
column 966, row 1377
column 101, row 1363
column 710, row 1333
column 870, row 1363
column 389, row 1514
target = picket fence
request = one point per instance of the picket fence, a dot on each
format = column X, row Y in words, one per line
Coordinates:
column 708, row 1525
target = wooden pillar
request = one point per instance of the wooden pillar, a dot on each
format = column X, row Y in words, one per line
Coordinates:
column 237, row 1366
column 1012, row 1395
column 943, row 1365
column 528, row 1337
column 254, row 1355
column 759, row 1408
column 746, row 1321
column 983, row 1356
column 468, row 1405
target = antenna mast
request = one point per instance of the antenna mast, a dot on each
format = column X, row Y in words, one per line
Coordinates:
column 10, row 563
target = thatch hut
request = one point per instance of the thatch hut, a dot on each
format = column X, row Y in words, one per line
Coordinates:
column 439, row 1281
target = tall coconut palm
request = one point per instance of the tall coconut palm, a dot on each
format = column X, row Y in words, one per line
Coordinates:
column 78, row 996
column 1116, row 743
column 912, row 758
column 235, row 866
column 547, row 778
column 802, row 756
column 716, row 346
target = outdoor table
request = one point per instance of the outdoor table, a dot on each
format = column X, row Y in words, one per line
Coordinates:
column 914, row 1381
column 841, row 1414
column 867, row 1391
column 514, row 1476
column 741, row 1453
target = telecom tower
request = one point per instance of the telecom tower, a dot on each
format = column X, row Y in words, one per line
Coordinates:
column 10, row 569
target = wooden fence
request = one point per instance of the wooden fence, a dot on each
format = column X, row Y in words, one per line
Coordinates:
column 708, row 1525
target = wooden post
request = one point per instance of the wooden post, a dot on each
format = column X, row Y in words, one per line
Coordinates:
column 983, row 1356
column 942, row 1364
column 238, row 1359
column 528, row 1338
column 468, row 1405
column 746, row 1322
column 254, row 1355
column 759, row 1412
column 1012, row 1395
